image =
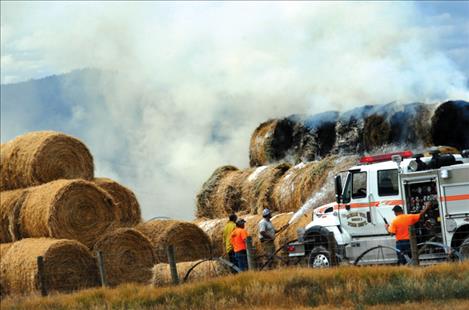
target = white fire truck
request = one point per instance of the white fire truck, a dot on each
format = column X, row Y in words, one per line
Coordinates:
column 354, row 226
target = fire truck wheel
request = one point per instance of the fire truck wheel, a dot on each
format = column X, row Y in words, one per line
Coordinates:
column 464, row 249
column 319, row 258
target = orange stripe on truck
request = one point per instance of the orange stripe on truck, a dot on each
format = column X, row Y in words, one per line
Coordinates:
column 455, row 197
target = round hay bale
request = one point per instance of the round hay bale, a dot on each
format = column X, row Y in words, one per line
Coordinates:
column 205, row 204
column 128, row 256
column 410, row 125
column 214, row 230
column 291, row 232
column 199, row 270
column 258, row 187
column 64, row 209
column 189, row 241
column 376, row 132
column 127, row 207
column 40, row 157
column 450, row 124
column 68, row 266
column 10, row 207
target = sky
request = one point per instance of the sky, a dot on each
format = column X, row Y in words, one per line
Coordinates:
column 192, row 80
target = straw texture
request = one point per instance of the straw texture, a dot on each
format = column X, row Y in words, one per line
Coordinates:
column 127, row 207
column 189, row 241
column 128, row 256
column 40, row 157
column 68, row 266
column 10, row 207
column 214, row 230
column 68, row 209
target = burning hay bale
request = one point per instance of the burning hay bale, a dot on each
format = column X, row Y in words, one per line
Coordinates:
column 410, row 125
column 68, row 209
column 10, row 207
column 40, row 157
column 450, row 124
column 376, row 132
column 128, row 256
column 189, row 241
column 214, row 230
column 68, row 266
column 206, row 208
column 257, row 188
column 127, row 207
column 322, row 129
column 281, row 140
column 199, row 270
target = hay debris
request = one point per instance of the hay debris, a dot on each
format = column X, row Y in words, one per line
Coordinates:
column 68, row 266
column 128, row 256
column 202, row 270
column 189, row 241
column 206, row 208
column 127, row 207
column 63, row 209
column 40, row 157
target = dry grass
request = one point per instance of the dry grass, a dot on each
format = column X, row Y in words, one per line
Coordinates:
column 65, row 209
column 43, row 156
column 381, row 287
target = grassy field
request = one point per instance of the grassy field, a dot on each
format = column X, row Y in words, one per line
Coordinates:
column 437, row 287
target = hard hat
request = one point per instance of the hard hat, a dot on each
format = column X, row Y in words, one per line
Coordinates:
column 265, row 212
column 240, row 222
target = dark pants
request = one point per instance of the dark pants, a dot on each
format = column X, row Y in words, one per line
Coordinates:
column 241, row 260
column 231, row 257
column 404, row 247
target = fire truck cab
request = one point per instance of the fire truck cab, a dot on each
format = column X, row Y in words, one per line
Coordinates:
column 355, row 223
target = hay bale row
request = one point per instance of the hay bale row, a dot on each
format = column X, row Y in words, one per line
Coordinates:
column 189, row 241
column 128, row 256
column 40, row 157
column 68, row 266
column 126, row 204
column 201, row 270
column 63, row 209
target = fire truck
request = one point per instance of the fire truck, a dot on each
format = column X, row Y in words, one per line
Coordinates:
column 353, row 227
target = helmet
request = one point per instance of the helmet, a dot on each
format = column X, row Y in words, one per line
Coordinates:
column 266, row 212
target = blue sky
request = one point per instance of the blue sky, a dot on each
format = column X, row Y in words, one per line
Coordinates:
column 186, row 72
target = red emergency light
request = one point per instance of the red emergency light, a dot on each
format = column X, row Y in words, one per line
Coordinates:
column 384, row 157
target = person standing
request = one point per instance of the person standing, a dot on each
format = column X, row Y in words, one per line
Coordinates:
column 229, row 227
column 267, row 233
column 238, row 241
column 400, row 228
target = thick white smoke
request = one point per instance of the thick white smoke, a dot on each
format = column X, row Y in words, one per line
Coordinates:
column 193, row 80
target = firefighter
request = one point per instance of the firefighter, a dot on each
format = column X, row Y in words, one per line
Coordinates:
column 229, row 227
column 238, row 241
column 400, row 228
column 267, row 233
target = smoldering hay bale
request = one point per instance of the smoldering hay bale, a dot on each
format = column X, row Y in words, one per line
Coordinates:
column 127, row 206
column 201, row 270
column 65, row 209
column 128, row 256
column 376, row 131
column 68, row 266
column 189, row 241
column 410, row 125
column 40, row 157
column 205, row 203
column 257, row 188
column 214, row 230
column 10, row 207
column 450, row 124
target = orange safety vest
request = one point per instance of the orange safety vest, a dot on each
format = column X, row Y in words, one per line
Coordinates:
column 238, row 239
column 400, row 225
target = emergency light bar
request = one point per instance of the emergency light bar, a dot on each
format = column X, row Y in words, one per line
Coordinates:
column 384, row 157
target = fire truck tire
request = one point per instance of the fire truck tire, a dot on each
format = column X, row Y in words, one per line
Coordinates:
column 464, row 249
column 319, row 258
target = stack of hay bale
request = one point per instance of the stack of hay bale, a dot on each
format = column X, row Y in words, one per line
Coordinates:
column 52, row 206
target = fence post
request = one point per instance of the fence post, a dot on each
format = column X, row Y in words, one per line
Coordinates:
column 102, row 271
column 331, row 244
column 41, row 275
column 250, row 254
column 413, row 246
column 172, row 264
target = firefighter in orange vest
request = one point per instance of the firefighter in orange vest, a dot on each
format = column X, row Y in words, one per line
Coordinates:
column 400, row 228
column 238, row 240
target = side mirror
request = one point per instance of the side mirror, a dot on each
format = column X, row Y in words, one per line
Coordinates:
column 338, row 188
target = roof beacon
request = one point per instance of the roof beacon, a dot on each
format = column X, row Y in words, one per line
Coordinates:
column 384, row 157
